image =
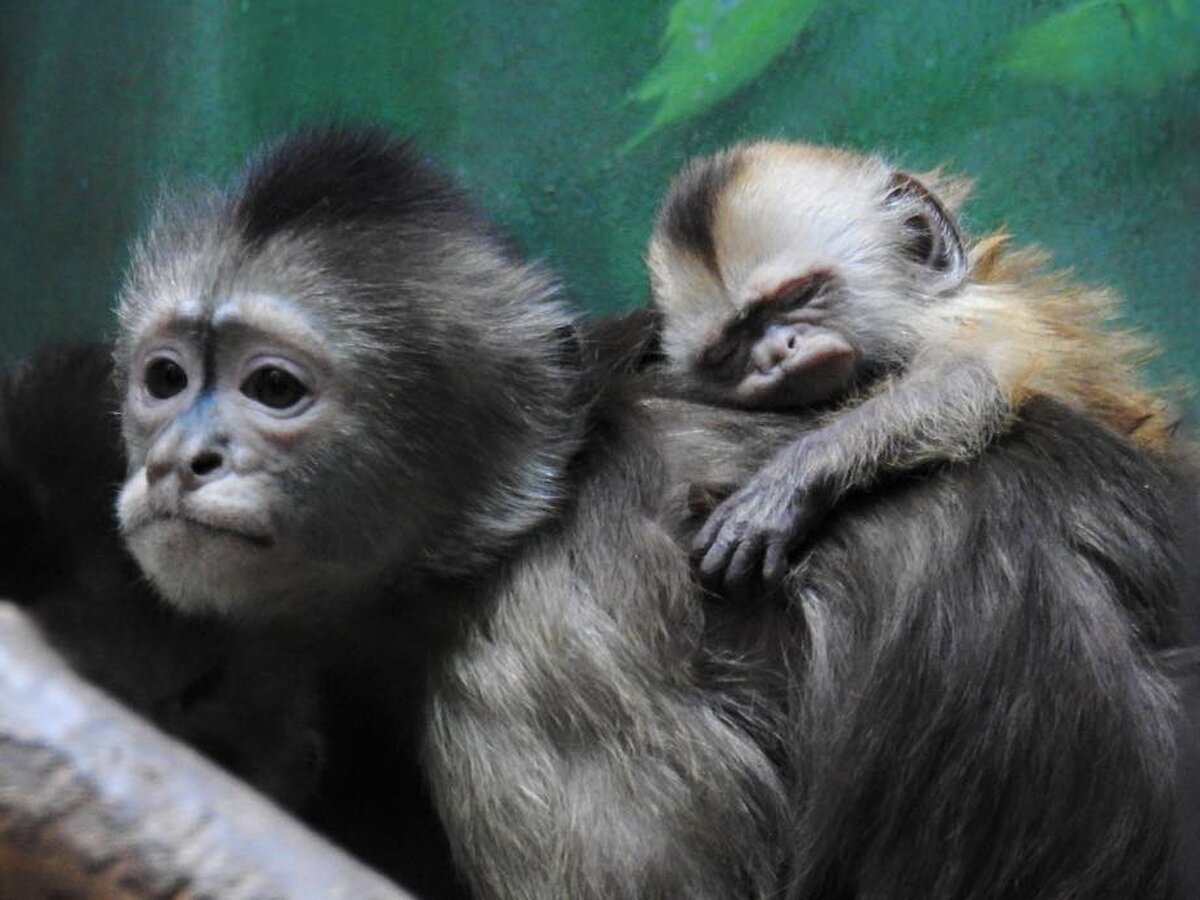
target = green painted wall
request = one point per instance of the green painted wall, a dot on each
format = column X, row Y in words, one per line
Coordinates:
column 1080, row 120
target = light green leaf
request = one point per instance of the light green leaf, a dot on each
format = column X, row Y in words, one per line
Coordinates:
column 1136, row 45
column 713, row 47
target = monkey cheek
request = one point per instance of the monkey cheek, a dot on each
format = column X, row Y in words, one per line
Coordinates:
column 133, row 503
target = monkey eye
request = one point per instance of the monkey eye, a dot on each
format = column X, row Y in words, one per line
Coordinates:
column 165, row 378
column 717, row 354
column 722, row 359
column 274, row 387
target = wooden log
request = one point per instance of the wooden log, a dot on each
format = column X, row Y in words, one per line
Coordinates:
column 96, row 803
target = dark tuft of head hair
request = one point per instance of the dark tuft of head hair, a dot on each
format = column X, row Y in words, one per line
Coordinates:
column 691, row 205
column 324, row 177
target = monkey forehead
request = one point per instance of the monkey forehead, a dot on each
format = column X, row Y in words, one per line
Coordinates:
column 798, row 207
column 279, row 317
column 215, row 281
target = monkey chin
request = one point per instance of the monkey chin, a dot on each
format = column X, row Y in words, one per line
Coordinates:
column 201, row 569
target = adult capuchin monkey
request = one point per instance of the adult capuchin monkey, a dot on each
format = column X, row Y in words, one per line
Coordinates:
column 348, row 406
column 791, row 276
column 975, row 703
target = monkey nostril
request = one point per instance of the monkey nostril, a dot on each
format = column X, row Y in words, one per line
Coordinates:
column 206, row 462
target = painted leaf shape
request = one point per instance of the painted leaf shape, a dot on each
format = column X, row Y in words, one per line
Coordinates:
column 713, row 47
column 1135, row 45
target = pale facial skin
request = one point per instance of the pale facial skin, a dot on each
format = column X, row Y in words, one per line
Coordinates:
column 226, row 404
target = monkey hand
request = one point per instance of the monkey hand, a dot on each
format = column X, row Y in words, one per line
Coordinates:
column 749, row 535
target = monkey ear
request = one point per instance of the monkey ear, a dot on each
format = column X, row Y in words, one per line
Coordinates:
column 932, row 238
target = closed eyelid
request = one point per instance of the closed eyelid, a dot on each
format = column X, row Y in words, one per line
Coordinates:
column 786, row 294
column 717, row 352
column 722, row 350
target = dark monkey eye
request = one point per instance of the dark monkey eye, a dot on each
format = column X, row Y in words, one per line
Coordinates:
column 718, row 354
column 165, row 378
column 274, row 387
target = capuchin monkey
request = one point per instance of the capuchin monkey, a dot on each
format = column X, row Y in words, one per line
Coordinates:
column 300, row 720
column 791, row 276
column 347, row 406
column 973, row 649
column 243, row 701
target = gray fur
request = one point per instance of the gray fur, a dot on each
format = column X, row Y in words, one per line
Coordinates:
column 974, row 710
column 571, row 751
column 931, row 416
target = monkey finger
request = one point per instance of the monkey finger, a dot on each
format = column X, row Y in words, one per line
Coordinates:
column 774, row 562
column 715, row 524
column 740, row 573
column 717, row 557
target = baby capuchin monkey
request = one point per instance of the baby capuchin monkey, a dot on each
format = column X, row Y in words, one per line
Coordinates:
column 791, row 276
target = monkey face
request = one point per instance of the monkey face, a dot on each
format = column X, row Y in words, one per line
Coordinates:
column 229, row 408
column 778, row 351
column 786, row 272
column 300, row 428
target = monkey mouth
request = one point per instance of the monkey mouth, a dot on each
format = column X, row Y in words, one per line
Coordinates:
column 216, row 529
column 250, row 537
column 821, row 355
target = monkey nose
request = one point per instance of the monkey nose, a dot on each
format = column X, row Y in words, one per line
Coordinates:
column 776, row 345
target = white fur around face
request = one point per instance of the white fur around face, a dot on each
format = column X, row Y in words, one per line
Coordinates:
column 795, row 208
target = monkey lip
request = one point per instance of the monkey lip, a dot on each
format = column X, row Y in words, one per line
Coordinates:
column 218, row 529
column 826, row 360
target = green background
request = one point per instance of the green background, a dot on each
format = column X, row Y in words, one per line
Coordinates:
column 1079, row 120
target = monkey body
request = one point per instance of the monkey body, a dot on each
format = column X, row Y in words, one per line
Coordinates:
column 792, row 276
column 343, row 396
column 584, row 681
column 973, row 703
column 836, row 328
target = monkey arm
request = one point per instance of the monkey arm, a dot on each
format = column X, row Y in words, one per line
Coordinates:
column 944, row 413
